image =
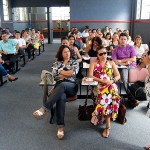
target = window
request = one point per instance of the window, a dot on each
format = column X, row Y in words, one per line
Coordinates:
column 6, row 10
column 60, row 13
column 20, row 14
column 143, row 9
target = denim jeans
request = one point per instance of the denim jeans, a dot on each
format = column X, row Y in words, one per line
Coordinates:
column 10, row 57
column 2, row 70
column 124, row 76
column 61, row 92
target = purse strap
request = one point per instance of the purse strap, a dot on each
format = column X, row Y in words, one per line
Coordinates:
column 87, row 96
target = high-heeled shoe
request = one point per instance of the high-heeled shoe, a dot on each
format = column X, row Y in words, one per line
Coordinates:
column 13, row 79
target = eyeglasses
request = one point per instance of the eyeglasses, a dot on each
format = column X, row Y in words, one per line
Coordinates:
column 102, row 54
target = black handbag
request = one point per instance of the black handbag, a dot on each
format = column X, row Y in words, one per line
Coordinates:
column 122, row 113
column 85, row 112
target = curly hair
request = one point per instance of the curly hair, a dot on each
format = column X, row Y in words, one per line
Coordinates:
column 60, row 51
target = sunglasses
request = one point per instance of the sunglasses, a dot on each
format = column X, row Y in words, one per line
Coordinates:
column 102, row 54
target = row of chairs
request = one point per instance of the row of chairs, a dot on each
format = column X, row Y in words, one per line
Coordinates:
column 23, row 57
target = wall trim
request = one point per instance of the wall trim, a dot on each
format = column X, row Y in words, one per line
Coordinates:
column 100, row 21
column 110, row 21
column 84, row 21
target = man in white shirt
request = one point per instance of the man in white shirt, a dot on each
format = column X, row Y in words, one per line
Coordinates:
column 22, row 45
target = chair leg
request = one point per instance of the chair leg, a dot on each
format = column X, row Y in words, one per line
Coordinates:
column 39, row 50
column 17, row 69
column 43, row 48
column 2, row 81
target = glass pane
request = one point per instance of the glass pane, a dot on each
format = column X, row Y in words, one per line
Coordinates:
column 138, row 10
column 60, row 13
column 145, row 12
column 6, row 18
column 4, row 2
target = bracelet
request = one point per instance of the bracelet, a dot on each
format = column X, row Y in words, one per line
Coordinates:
column 114, row 79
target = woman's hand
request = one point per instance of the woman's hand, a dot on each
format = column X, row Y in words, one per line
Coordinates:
column 110, row 81
column 105, row 81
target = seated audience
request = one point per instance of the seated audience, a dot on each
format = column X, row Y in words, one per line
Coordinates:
column 9, row 51
column 107, row 39
column 111, row 32
column 139, row 47
column 91, row 47
column 7, row 30
column 29, row 45
column 106, row 91
column 106, row 30
column 64, row 72
column 85, row 34
column 146, row 61
column 35, row 37
column 74, row 49
column 125, row 54
column 41, row 36
column 115, row 42
column 22, row 44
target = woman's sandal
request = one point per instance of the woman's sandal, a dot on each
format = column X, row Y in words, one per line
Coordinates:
column 94, row 119
column 60, row 135
column 105, row 133
column 38, row 114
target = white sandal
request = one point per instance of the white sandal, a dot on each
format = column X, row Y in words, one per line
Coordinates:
column 38, row 114
column 60, row 135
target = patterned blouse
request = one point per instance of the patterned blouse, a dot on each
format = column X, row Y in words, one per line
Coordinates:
column 59, row 66
column 147, row 89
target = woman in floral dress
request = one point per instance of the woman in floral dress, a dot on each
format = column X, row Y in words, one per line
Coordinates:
column 107, row 93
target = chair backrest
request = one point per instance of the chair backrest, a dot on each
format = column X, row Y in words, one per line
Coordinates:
column 136, row 74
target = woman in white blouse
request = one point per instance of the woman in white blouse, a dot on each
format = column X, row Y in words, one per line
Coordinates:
column 140, row 48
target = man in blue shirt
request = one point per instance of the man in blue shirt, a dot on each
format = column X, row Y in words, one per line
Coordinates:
column 9, row 50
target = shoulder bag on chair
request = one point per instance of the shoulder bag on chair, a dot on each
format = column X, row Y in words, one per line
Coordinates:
column 47, row 77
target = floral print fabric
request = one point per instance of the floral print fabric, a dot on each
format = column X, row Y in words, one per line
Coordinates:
column 107, row 94
column 147, row 89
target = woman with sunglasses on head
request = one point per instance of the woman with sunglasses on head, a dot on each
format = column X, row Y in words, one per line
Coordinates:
column 106, row 91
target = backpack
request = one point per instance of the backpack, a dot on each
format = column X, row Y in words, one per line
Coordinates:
column 138, row 90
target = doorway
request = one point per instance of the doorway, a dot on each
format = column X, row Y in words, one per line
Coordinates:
column 61, row 22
